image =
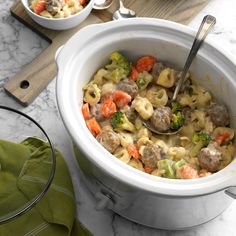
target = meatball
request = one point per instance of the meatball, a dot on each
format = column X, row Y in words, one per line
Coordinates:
column 109, row 139
column 151, row 154
column 161, row 118
column 95, row 111
column 219, row 115
column 54, row 6
column 210, row 158
column 128, row 86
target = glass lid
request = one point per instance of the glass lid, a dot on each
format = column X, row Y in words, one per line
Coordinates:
column 27, row 163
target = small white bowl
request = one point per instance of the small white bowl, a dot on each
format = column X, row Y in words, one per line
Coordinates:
column 59, row 23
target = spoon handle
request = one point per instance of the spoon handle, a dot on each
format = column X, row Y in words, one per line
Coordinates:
column 121, row 4
column 207, row 24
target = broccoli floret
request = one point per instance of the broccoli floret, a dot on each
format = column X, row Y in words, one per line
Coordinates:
column 140, row 81
column 178, row 164
column 143, row 80
column 121, row 61
column 177, row 121
column 201, row 137
column 200, row 140
column 166, row 165
column 170, row 167
column 115, row 75
column 176, row 106
column 119, row 67
column 120, row 121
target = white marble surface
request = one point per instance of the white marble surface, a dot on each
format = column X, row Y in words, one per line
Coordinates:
column 18, row 46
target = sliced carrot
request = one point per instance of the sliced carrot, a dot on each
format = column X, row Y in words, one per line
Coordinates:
column 145, row 63
column 93, row 126
column 85, row 111
column 39, row 7
column 133, row 151
column 108, row 107
column 148, row 169
column 82, row 2
column 134, row 74
column 121, row 98
column 187, row 172
column 221, row 138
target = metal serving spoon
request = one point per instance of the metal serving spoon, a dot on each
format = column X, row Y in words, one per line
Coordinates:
column 207, row 24
column 102, row 4
column 123, row 12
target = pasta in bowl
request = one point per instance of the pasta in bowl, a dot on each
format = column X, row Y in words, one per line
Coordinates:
column 58, row 14
column 122, row 93
column 57, row 8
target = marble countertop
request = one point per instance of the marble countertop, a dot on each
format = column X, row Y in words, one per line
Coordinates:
column 19, row 45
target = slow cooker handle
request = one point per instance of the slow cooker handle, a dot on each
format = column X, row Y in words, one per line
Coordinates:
column 231, row 191
column 58, row 51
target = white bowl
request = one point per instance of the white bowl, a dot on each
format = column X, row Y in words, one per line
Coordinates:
column 215, row 69
column 59, row 23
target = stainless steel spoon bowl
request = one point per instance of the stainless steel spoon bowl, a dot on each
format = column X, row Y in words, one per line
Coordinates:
column 207, row 24
column 123, row 12
column 149, row 125
column 102, row 4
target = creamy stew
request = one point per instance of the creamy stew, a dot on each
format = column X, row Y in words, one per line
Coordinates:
column 122, row 94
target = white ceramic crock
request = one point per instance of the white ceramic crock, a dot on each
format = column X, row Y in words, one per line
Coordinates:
column 153, row 201
column 59, row 23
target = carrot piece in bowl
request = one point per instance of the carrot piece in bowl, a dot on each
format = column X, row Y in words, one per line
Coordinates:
column 93, row 126
column 134, row 74
column 145, row 63
column 121, row 98
column 82, row 2
column 39, row 7
column 186, row 172
column 108, row 107
column 133, row 151
column 221, row 138
column 148, row 169
column 85, row 111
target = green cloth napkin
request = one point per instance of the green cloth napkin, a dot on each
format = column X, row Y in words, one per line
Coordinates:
column 24, row 169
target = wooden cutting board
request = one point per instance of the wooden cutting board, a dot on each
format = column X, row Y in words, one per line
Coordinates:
column 27, row 84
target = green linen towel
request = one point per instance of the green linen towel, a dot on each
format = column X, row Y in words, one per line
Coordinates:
column 24, row 170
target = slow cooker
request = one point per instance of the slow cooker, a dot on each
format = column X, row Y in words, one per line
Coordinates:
column 145, row 199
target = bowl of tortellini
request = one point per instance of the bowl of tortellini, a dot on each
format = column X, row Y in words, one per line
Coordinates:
column 58, row 14
column 111, row 76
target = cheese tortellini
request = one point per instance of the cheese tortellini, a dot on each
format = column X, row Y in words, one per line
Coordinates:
column 122, row 154
column 143, row 106
column 136, row 164
column 157, row 96
column 99, row 77
column 167, row 78
column 125, row 138
column 198, row 98
column 92, row 94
